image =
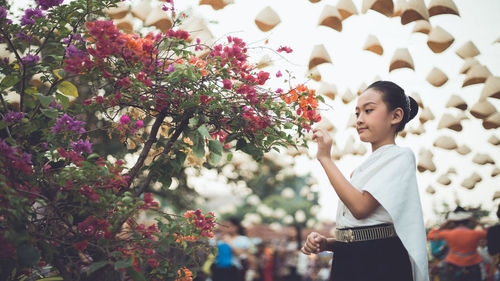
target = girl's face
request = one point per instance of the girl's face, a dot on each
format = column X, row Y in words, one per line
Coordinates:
column 375, row 123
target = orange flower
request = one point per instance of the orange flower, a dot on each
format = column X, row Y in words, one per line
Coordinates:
column 184, row 274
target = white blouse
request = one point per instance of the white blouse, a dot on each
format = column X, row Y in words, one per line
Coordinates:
column 389, row 175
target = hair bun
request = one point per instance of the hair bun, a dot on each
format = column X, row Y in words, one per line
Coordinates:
column 413, row 108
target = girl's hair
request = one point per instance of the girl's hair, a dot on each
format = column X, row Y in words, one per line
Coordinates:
column 394, row 97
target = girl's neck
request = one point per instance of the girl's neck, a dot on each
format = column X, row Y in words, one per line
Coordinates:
column 378, row 144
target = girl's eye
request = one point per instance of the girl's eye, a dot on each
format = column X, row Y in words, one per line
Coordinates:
column 357, row 114
column 368, row 110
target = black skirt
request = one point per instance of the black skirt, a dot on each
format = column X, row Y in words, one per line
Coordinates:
column 374, row 260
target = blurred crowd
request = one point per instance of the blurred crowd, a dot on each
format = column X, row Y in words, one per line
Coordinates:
column 460, row 249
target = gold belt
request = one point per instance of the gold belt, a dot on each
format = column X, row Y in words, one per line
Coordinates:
column 349, row 235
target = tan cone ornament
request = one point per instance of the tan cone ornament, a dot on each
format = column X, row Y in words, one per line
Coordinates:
column 477, row 74
column 436, row 77
column 449, row 121
column 456, row 102
column 267, row 19
column 482, row 109
column 346, row 8
column 439, row 39
column 330, row 17
column 467, row 50
column 491, row 88
column 414, row 10
column 373, row 45
column 422, row 26
column 440, row 7
column 445, row 142
column 319, row 55
column 385, row 7
column 468, row 63
column 160, row 19
column 401, row 59
column 492, row 121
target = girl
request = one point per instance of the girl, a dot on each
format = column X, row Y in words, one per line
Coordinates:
column 380, row 233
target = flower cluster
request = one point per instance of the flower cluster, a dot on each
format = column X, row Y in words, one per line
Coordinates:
column 11, row 157
column 94, row 227
column 73, row 156
column 68, row 123
column 184, row 274
column 81, row 146
column 47, row 4
column 203, row 222
column 30, row 15
column 307, row 103
column 149, row 201
column 13, row 117
column 89, row 192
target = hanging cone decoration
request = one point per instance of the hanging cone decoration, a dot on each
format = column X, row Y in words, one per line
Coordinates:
column 328, row 90
column 118, row 12
column 491, row 88
column 477, row 74
column 265, row 61
column 418, row 99
column 142, row 9
column 398, row 8
column 444, row 180
column 457, row 102
column 337, row 153
column 463, row 149
column 482, row 109
column 314, row 74
column 482, row 159
column 440, row 7
column 469, row 183
column 450, row 122
column 451, row 170
column 331, row 17
column 314, row 1
column 492, row 122
column 349, row 145
column 430, row 189
column 497, row 41
column 468, row 63
column 417, row 130
column 125, row 24
column 426, row 115
column 362, row 88
column 401, row 59
column 461, row 116
column 385, row 7
column 496, row 195
column 348, row 96
column 468, row 50
column 445, row 142
column 373, row 45
column 495, row 172
column 197, row 28
column 436, row 77
column 402, row 133
column 325, row 124
column 360, row 149
column 346, row 8
column 216, row 4
column 494, row 140
column 267, row 19
column 439, row 39
column 422, row 26
column 414, row 10
column 160, row 19
column 319, row 55
column 425, row 161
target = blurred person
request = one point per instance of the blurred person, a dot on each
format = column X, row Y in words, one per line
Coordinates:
column 380, row 234
column 223, row 269
column 493, row 245
column 462, row 263
column 240, row 244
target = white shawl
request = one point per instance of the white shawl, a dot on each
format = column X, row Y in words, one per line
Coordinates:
column 389, row 175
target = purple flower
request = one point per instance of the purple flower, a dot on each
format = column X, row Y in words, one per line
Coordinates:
column 170, row 68
column 81, row 146
column 72, row 51
column 30, row 15
column 46, row 4
column 26, row 158
column 22, row 36
column 29, row 59
column 13, row 117
column 67, row 123
column 3, row 13
column 124, row 120
column 44, row 145
column 54, row 104
column 139, row 124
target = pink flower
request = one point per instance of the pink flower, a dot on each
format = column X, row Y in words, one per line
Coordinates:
column 284, row 49
column 279, row 91
column 278, row 74
column 153, row 262
column 139, row 124
column 227, row 84
column 124, row 120
column 81, row 246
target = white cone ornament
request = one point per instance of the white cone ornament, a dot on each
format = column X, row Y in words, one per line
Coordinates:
column 401, row 59
column 267, row 19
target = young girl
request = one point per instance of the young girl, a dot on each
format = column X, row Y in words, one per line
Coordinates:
column 380, row 233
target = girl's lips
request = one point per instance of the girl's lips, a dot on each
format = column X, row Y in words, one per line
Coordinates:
column 360, row 130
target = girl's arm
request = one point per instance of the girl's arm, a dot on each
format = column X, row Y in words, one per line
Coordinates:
column 361, row 204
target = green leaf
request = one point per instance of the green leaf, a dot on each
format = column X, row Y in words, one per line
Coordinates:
column 50, row 279
column 67, row 89
column 136, row 276
column 198, row 145
column 63, row 99
column 44, row 100
column 70, row 218
column 204, row 132
column 3, row 125
column 241, row 144
column 215, row 148
column 9, row 81
column 58, row 73
column 123, row 264
column 229, row 156
column 27, row 255
column 231, row 137
column 96, row 266
column 288, row 125
column 52, row 113
column 193, row 121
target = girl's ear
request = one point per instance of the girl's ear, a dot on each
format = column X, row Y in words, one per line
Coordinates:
column 397, row 116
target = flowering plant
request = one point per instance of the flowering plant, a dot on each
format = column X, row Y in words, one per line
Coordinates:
column 62, row 202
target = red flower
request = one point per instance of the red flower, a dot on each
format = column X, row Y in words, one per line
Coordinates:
column 153, row 262
column 81, row 246
column 227, row 84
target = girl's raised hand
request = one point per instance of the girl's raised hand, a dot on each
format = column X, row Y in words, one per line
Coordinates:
column 324, row 141
column 315, row 243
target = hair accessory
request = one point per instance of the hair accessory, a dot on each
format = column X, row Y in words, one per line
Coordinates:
column 408, row 104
